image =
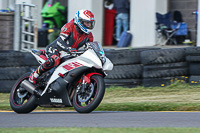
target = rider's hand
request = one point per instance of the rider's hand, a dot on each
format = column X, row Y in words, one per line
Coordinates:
column 73, row 50
column 87, row 46
column 70, row 50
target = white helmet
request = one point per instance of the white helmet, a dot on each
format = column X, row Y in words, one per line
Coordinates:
column 84, row 17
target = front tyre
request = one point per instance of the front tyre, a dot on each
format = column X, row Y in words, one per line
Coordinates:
column 22, row 101
column 89, row 100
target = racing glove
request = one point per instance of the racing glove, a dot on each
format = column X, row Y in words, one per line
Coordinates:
column 70, row 50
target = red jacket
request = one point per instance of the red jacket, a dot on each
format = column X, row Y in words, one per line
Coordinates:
column 75, row 37
column 70, row 36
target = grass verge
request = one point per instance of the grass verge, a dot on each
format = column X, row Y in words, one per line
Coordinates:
column 176, row 97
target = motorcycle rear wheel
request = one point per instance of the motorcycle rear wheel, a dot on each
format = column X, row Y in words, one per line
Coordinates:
column 86, row 103
column 22, row 101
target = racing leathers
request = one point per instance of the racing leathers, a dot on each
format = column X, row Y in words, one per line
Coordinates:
column 71, row 37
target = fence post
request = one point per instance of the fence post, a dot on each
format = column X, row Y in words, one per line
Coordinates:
column 17, row 28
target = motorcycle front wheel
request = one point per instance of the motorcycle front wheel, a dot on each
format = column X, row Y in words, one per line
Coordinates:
column 89, row 100
column 21, row 101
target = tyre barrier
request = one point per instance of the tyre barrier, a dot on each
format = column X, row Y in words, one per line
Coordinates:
column 125, row 56
column 162, row 56
column 164, row 67
column 12, row 65
column 165, row 70
column 132, row 67
column 193, row 58
column 127, row 70
column 16, row 59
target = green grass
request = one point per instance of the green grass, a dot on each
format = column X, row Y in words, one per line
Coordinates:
column 100, row 130
column 176, row 97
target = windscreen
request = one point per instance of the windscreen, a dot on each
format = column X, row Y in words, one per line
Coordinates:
column 96, row 46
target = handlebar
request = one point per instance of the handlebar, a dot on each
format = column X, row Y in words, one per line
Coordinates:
column 79, row 52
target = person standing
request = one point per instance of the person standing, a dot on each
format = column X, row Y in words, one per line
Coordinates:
column 122, row 18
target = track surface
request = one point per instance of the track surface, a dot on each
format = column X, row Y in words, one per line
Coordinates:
column 100, row 119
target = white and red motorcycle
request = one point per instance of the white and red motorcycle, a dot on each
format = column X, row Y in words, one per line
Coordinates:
column 78, row 81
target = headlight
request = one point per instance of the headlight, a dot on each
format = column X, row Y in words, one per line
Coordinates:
column 103, row 59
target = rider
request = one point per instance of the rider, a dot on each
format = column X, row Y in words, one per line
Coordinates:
column 73, row 35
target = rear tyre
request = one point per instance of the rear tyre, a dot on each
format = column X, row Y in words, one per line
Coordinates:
column 22, row 101
column 87, row 102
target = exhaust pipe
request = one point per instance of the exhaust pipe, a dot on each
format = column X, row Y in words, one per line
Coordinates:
column 30, row 88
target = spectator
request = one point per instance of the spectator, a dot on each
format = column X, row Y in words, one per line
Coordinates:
column 122, row 8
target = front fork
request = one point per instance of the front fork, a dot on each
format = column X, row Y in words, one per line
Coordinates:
column 85, row 81
column 83, row 86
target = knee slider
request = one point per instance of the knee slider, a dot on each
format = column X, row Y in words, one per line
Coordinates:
column 56, row 59
column 50, row 62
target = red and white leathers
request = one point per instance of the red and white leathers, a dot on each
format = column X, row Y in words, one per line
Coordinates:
column 50, row 62
column 70, row 37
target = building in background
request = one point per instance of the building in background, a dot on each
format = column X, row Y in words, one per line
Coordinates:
column 142, row 16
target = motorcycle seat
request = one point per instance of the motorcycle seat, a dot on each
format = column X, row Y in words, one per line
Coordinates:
column 40, row 53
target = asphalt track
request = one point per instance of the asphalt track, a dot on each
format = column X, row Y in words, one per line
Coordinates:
column 100, row 119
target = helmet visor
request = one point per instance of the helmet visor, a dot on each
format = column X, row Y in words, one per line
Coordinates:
column 87, row 24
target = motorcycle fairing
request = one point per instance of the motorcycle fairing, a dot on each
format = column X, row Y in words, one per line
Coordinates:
column 56, row 94
column 87, row 59
column 57, row 89
column 87, row 77
column 107, row 66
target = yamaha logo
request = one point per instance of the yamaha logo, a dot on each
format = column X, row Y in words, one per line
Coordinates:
column 56, row 100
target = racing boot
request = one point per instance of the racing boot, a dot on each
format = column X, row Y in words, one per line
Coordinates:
column 33, row 77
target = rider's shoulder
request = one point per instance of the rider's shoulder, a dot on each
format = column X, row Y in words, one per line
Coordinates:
column 67, row 26
column 90, row 34
column 90, row 37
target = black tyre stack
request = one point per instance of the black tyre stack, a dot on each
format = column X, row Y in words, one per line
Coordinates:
column 193, row 57
column 162, row 67
column 13, row 64
column 132, row 67
column 127, row 70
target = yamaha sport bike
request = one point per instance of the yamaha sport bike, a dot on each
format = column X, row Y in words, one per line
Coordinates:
column 78, row 81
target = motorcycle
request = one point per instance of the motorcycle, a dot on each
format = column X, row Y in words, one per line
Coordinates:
column 77, row 82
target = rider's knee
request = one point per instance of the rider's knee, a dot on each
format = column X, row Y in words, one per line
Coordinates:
column 56, row 60
column 52, row 61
